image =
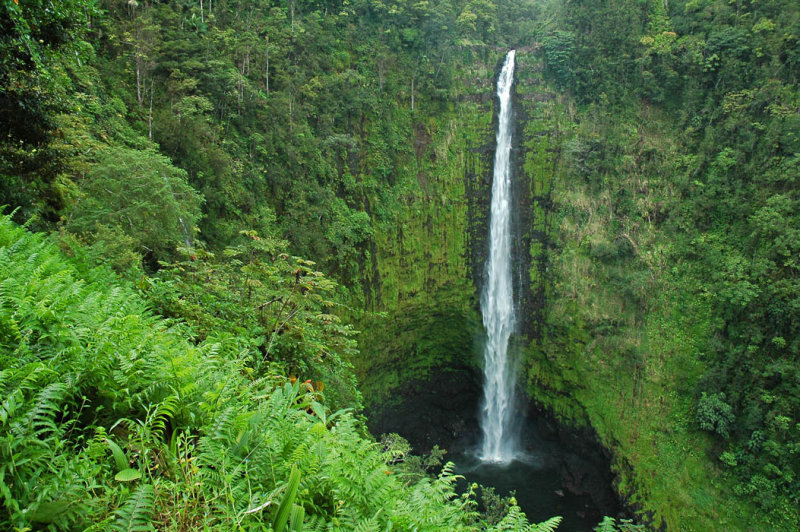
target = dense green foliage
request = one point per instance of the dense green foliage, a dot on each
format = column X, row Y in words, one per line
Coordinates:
column 148, row 131
column 40, row 40
column 112, row 419
column 197, row 148
column 277, row 308
column 673, row 257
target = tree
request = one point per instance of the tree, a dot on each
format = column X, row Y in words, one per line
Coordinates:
column 39, row 40
column 141, row 195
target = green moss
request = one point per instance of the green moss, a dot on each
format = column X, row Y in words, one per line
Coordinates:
column 413, row 344
column 423, row 246
column 622, row 333
column 418, row 278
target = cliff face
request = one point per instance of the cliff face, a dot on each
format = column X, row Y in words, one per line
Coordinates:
column 424, row 265
column 609, row 339
column 420, row 362
column 615, row 334
column 430, row 260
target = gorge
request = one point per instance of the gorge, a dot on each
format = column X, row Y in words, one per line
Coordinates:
column 550, row 469
column 242, row 240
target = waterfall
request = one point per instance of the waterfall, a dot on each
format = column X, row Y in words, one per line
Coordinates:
column 187, row 235
column 497, row 298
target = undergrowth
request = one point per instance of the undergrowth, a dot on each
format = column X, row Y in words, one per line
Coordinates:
column 112, row 418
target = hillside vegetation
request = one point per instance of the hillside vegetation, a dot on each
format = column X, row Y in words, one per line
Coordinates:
column 672, row 290
column 115, row 419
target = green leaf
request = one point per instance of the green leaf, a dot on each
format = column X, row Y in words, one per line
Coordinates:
column 296, row 518
column 319, row 410
column 48, row 512
column 128, row 475
column 279, row 523
column 119, row 456
column 136, row 514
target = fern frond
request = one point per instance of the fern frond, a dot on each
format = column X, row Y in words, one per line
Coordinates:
column 137, row 512
column 160, row 416
column 547, row 526
column 608, row 524
column 41, row 419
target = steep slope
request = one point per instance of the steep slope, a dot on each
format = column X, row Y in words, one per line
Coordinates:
column 667, row 253
column 112, row 419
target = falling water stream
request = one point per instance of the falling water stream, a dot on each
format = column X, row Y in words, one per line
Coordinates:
column 548, row 474
column 497, row 300
column 546, row 479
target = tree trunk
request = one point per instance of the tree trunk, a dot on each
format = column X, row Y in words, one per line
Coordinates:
column 139, row 95
column 266, row 76
column 150, row 114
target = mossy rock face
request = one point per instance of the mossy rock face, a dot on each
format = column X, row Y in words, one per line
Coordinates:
column 418, row 349
column 426, row 265
column 419, row 372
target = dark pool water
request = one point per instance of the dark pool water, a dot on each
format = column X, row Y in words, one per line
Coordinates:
column 539, row 490
column 550, row 478
column 562, row 471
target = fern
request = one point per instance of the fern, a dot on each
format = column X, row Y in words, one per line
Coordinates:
column 547, row 526
column 160, row 416
column 368, row 525
column 41, row 418
column 137, row 512
column 83, row 364
column 606, row 525
column 609, row 524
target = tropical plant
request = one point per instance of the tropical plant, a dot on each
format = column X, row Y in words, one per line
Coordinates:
column 112, row 418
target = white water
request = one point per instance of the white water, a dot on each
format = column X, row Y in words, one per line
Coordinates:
column 187, row 235
column 497, row 300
